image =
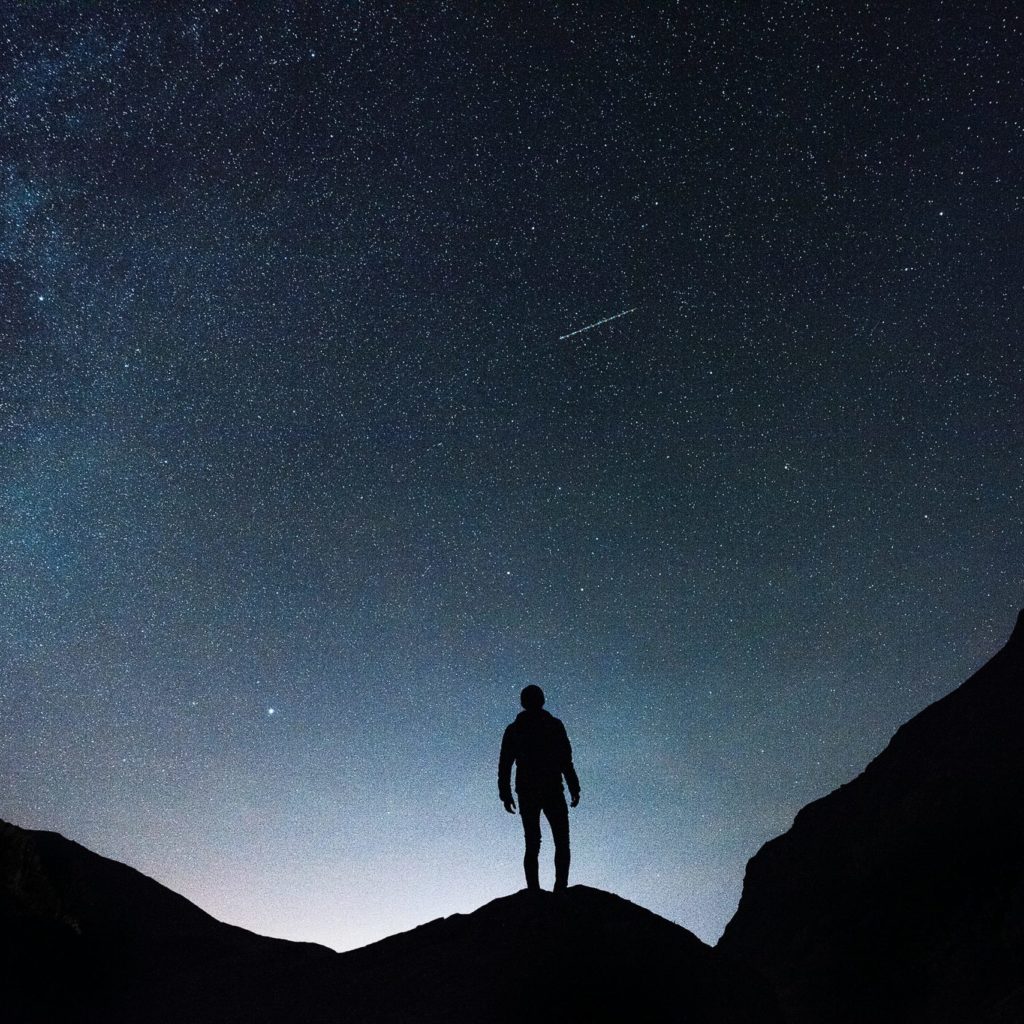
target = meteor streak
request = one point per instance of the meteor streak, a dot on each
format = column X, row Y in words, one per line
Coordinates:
column 590, row 327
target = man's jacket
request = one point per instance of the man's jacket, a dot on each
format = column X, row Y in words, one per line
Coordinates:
column 537, row 743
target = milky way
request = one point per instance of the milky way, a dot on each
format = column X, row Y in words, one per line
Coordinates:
column 297, row 493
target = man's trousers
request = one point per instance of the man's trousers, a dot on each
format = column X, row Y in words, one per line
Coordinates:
column 555, row 810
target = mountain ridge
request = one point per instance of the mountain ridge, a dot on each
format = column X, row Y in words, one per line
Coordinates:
column 127, row 948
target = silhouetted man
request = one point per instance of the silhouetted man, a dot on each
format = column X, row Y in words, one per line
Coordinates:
column 537, row 743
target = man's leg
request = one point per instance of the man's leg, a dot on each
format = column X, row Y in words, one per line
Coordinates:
column 529, row 811
column 557, row 814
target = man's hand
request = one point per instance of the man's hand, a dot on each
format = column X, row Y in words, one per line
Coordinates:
column 510, row 805
column 575, row 800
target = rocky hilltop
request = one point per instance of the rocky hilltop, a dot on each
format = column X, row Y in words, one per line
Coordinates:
column 900, row 896
column 88, row 939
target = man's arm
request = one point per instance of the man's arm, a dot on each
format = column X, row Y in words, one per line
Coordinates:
column 571, row 779
column 505, row 760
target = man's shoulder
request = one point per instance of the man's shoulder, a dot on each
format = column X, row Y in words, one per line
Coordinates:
column 534, row 721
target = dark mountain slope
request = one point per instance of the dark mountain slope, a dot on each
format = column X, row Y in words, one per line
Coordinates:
column 92, row 940
column 900, row 896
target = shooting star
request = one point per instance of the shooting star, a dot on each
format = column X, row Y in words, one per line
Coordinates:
column 590, row 327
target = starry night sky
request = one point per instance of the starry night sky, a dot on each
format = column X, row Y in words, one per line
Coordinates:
column 302, row 480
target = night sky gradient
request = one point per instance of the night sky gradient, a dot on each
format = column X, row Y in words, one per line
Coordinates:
column 302, row 482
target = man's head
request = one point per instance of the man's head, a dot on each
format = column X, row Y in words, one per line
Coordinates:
column 532, row 698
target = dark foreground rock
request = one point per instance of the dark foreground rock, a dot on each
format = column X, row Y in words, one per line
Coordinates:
column 900, row 896
column 88, row 939
column 584, row 955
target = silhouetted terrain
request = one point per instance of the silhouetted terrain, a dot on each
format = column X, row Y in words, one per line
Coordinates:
column 88, row 939
column 900, row 896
